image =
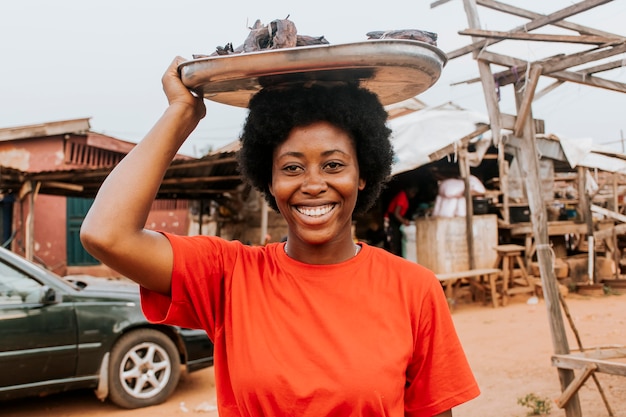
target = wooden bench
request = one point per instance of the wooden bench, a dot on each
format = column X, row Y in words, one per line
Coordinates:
column 485, row 280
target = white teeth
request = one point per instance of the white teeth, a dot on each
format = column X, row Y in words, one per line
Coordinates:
column 316, row 211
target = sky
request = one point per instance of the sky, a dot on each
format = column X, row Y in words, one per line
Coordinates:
column 103, row 59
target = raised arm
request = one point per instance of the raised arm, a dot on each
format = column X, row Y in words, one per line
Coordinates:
column 113, row 230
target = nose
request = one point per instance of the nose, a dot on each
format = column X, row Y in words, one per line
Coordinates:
column 314, row 183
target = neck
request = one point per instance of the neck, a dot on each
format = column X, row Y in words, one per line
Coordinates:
column 322, row 254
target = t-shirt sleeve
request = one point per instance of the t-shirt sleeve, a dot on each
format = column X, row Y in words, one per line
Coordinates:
column 197, row 285
column 439, row 376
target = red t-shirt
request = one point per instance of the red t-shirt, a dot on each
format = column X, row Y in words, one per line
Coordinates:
column 400, row 200
column 371, row 336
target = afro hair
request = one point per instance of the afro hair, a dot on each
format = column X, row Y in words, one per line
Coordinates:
column 274, row 112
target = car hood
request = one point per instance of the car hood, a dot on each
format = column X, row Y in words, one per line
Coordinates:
column 100, row 286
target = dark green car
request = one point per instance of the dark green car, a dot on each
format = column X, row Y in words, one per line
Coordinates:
column 61, row 334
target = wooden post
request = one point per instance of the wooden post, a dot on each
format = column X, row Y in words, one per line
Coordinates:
column 491, row 99
column 585, row 208
column 529, row 159
column 469, row 213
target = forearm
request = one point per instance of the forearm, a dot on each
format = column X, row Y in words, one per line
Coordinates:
column 131, row 187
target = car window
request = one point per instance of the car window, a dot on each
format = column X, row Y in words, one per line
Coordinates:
column 16, row 287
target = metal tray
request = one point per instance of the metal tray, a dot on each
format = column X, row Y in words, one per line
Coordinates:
column 394, row 69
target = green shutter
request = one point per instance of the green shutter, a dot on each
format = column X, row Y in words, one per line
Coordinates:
column 76, row 210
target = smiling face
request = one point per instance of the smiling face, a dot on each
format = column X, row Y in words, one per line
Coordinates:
column 315, row 181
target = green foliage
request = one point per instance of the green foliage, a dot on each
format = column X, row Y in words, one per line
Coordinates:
column 539, row 406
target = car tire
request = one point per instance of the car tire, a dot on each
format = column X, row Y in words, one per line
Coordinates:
column 144, row 369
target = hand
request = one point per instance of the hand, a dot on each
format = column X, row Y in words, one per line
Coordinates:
column 176, row 91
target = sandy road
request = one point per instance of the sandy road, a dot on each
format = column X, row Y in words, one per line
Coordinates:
column 509, row 349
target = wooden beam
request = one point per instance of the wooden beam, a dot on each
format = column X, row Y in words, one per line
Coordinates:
column 200, row 191
column 528, row 158
column 489, row 85
column 435, row 156
column 619, row 229
column 604, row 67
column 532, row 25
column 555, row 66
column 517, row 11
column 194, row 180
column 608, row 213
column 508, row 122
column 529, row 93
column 202, row 163
column 561, row 63
column 548, row 89
column 507, row 77
column 575, row 385
column 539, row 37
column 62, row 185
column 588, row 80
column 438, row 3
column 576, row 362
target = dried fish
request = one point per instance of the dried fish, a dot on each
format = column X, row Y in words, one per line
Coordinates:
column 282, row 33
column 412, row 34
column 303, row 40
column 279, row 33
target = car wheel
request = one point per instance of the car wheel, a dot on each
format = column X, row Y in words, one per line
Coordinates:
column 144, row 369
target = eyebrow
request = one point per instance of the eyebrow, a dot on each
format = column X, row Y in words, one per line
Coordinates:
column 300, row 154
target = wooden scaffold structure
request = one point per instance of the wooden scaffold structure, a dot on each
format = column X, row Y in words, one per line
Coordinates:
column 524, row 76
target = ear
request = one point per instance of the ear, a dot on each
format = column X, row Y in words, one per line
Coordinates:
column 269, row 187
column 361, row 184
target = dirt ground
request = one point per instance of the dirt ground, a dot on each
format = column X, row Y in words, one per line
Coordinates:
column 509, row 349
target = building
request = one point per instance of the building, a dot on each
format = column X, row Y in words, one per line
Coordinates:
column 48, row 231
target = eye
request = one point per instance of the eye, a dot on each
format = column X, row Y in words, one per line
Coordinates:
column 292, row 169
column 333, row 166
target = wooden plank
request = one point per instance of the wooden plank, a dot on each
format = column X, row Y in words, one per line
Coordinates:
column 554, row 67
column 452, row 148
column 588, row 80
column 464, row 169
column 507, row 77
column 438, row 3
column 620, row 229
column 468, row 274
column 573, row 60
column 529, row 92
column 548, row 89
column 576, row 362
column 529, row 159
column 603, row 352
column 489, row 85
column 508, row 122
column 532, row 25
column 603, row 67
column 608, row 213
column 575, row 385
column 539, row 37
column 517, row 11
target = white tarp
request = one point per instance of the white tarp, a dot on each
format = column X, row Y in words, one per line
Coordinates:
column 417, row 135
column 584, row 153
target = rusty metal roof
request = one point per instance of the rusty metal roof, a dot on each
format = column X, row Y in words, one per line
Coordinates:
column 210, row 176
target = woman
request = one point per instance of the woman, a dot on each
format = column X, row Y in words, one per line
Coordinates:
column 316, row 326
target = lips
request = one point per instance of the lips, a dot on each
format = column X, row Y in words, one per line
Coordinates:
column 317, row 211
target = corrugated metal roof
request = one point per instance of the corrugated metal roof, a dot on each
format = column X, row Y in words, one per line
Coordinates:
column 210, row 176
column 45, row 129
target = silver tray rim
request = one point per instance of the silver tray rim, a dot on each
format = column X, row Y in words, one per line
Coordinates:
column 375, row 64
